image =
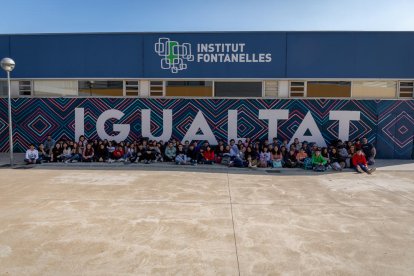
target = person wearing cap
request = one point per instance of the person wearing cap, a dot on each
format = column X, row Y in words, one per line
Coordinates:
column 360, row 162
column 318, row 162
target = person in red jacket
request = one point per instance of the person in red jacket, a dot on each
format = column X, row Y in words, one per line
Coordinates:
column 208, row 156
column 118, row 153
column 360, row 162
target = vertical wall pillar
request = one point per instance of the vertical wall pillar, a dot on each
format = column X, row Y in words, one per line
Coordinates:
column 283, row 89
column 144, row 88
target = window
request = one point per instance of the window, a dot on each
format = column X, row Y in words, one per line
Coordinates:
column 131, row 88
column 3, row 89
column 374, row 89
column 55, row 88
column 328, row 89
column 297, row 88
column 237, row 89
column 101, row 88
column 189, row 89
column 406, row 89
column 25, row 88
column 156, row 88
column 271, row 88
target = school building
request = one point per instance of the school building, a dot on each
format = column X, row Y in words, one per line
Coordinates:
column 316, row 86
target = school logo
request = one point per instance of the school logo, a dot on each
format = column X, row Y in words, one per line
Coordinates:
column 173, row 54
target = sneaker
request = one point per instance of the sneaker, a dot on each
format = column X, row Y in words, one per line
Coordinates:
column 75, row 161
column 67, row 161
column 371, row 170
column 359, row 169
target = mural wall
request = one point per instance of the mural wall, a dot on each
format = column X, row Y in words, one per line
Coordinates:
column 389, row 124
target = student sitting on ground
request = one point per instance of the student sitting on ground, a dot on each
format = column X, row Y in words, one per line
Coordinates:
column 290, row 160
column 264, row 158
column 101, row 153
column 56, row 153
column 43, row 155
column 192, row 155
column 251, row 157
column 325, row 154
column 170, row 152
column 301, row 156
column 181, row 156
column 369, row 151
column 66, row 153
column 318, row 161
column 277, row 158
column 118, row 153
column 208, row 156
column 220, row 151
column 88, row 153
column 236, row 157
column 32, row 155
column 130, row 153
column 337, row 162
column 360, row 162
column 76, row 154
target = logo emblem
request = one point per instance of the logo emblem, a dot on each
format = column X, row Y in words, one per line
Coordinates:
column 173, row 54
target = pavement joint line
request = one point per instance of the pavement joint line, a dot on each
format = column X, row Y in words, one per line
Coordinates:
column 232, row 220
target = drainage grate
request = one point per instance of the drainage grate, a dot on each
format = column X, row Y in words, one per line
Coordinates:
column 25, row 167
column 273, row 171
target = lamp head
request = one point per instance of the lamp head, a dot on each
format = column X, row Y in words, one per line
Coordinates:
column 7, row 64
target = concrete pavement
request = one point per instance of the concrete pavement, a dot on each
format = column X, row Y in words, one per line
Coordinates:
column 164, row 222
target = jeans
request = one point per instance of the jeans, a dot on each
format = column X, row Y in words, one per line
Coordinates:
column 181, row 159
column 362, row 166
column 32, row 161
column 76, row 157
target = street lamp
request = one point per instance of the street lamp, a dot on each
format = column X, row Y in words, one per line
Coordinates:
column 90, row 84
column 8, row 65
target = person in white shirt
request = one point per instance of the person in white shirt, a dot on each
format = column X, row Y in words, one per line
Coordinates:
column 32, row 155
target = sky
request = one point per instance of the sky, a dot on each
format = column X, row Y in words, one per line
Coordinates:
column 66, row 16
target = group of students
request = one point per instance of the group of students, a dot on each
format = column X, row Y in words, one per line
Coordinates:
column 358, row 154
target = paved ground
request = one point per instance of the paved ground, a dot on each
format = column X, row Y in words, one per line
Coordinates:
column 60, row 220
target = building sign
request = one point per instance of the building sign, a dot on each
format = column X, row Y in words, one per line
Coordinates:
column 200, row 130
column 214, row 55
column 175, row 56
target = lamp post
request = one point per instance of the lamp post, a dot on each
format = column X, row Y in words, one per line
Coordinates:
column 90, row 84
column 8, row 65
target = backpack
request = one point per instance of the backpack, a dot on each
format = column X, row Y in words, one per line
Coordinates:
column 276, row 164
column 225, row 160
column 307, row 164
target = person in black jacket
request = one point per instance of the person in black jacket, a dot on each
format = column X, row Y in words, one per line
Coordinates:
column 290, row 159
column 369, row 151
column 192, row 155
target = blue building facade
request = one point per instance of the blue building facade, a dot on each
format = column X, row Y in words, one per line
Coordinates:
column 347, row 84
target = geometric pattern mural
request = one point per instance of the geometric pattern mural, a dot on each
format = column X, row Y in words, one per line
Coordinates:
column 389, row 124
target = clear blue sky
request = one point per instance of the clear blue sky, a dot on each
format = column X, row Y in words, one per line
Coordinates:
column 56, row 16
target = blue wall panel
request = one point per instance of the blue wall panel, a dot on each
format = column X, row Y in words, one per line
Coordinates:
column 294, row 55
column 320, row 55
column 350, row 55
column 4, row 51
column 77, row 56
